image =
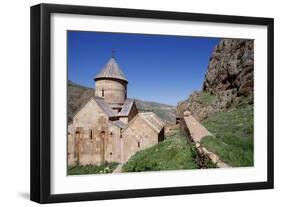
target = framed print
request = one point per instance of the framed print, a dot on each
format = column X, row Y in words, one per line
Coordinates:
column 133, row 103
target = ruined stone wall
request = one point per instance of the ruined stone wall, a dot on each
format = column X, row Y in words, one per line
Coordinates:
column 196, row 132
column 113, row 91
column 137, row 136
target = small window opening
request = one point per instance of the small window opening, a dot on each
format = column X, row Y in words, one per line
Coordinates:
column 110, row 153
column 77, row 137
column 91, row 134
column 138, row 144
column 102, row 92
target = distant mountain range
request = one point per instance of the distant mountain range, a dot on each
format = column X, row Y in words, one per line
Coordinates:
column 78, row 96
column 166, row 112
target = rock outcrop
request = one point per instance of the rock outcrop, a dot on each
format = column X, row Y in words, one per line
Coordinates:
column 201, row 105
column 229, row 78
column 231, row 68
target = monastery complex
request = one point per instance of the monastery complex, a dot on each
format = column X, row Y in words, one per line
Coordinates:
column 109, row 128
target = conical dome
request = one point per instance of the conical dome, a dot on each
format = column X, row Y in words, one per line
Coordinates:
column 112, row 71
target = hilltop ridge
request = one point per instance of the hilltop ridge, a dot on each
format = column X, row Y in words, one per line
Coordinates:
column 78, row 95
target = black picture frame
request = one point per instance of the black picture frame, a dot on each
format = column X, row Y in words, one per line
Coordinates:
column 41, row 99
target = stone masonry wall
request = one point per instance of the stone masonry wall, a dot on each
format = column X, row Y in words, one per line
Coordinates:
column 197, row 132
column 92, row 139
column 137, row 136
column 112, row 91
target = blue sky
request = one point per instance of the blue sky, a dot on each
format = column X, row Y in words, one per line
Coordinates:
column 160, row 68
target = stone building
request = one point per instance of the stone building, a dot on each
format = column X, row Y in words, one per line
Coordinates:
column 109, row 128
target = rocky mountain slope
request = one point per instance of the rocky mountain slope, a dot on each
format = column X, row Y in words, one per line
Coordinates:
column 78, row 96
column 231, row 67
column 225, row 104
column 229, row 78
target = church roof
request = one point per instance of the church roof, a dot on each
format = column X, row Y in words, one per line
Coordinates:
column 127, row 106
column 111, row 70
column 151, row 119
column 105, row 107
column 119, row 124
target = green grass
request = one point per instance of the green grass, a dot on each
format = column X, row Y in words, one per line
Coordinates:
column 196, row 101
column 205, row 98
column 91, row 169
column 233, row 134
column 174, row 153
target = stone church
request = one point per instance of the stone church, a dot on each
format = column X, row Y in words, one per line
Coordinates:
column 109, row 128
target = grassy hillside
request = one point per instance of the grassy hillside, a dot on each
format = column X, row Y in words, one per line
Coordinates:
column 233, row 134
column 174, row 153
column 166, row 112
column 79, row 95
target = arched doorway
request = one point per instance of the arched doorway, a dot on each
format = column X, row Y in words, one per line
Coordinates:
column 77, row 144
